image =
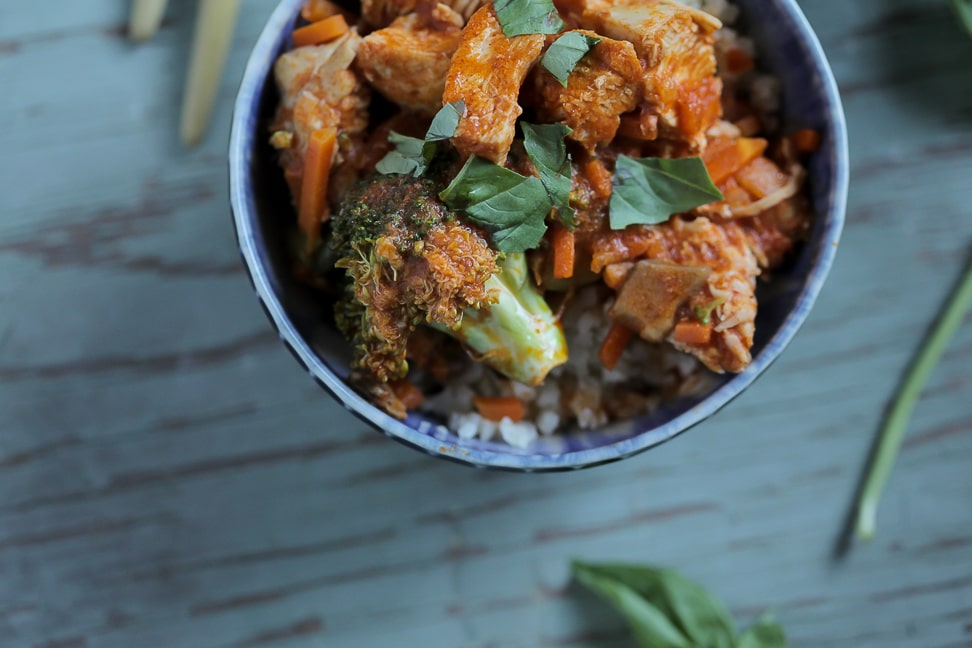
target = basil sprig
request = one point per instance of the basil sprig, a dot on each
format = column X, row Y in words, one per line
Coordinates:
column 647, row 191
column 446, row 121
column 666, row 610
column 545, row 146
column 521, row 17
column 412, row 155
column 511, row 206
column 565, row 53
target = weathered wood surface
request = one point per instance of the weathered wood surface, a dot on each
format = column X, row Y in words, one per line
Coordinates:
column 170, row 477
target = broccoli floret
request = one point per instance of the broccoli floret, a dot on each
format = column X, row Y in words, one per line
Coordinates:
column 517, row 334
column 411, row 261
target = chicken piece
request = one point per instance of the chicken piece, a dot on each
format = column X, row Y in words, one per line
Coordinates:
column 675, row 45
column 466, row 8
column 317, row 90
column 408, row 60
column 604, row 84
column 486, row 73
column 381, row 13
column 772, row 234
column 729, row 295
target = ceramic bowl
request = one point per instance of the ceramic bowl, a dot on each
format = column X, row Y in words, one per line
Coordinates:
column 786, row 46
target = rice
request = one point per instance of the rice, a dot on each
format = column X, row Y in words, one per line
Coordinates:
column 580, row 394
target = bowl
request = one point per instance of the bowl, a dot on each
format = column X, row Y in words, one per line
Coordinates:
column 787, row 48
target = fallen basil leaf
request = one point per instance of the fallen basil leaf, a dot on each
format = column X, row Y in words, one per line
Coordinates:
column 765, row 633
column 650, row 190
column 520, row 17
column 410, row 156
column 964, row 10
column 544, row 144
column 511, row 206
column 446, row 121
column 696, row 613
column 650, row 626
column 562, row 56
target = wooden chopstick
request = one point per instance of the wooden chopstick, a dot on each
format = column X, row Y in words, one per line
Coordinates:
column 215, row 23
column 145, row 18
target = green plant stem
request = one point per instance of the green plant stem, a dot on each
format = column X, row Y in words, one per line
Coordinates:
column 964, row 10
column 896, row 420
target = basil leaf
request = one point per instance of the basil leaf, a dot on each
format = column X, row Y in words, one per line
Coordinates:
column 562, row 56
column 697, row 615
column 520, row 17
column 649, row 190
column 477, row 180
column 544, row 144
column 446, row 121
column 511, row 206
column 650, row 626
column 410, row 156
column 765, row 633
column 517, row 217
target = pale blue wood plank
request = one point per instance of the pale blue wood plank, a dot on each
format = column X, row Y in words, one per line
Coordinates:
column 170, row 477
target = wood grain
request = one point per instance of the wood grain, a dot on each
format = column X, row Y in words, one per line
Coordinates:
column 170, row 477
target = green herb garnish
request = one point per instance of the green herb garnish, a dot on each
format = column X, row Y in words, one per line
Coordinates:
column 412, row 155
column 650, row 190
column 893, row 428
column 446, row 121
column 562, row 56
column 511, row 206
column 704, row 311
column 544, row 144
column 666, row 610
column 521, row 17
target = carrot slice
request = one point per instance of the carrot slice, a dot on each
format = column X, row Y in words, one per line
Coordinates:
column 761, row 177
column 806, row 140
column 317, row 10
column 313, row 189
column 410, row 395
column 294, row 175
column 614, row 344
column 738, row 61
column 692, row 333
column 599, row 177
column 562, row 251
column 499, row 407
column 724, row 157
column 321, row 32
column 698, row 105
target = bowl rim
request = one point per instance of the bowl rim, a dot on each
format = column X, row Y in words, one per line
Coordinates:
column 243, row 207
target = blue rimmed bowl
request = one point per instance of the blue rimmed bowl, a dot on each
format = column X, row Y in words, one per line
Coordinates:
column 787, row 48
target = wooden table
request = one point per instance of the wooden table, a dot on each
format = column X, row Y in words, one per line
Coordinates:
column 169, row 476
